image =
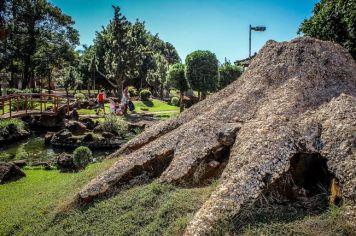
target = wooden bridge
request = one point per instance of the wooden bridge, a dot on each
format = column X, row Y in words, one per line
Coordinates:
column 21, row 105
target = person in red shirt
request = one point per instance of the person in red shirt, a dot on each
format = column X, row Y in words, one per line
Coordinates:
column 101, row 101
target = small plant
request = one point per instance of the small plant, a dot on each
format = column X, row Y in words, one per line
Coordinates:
column 79, row 97
column 145, row 95
column 114, row 124
column 132, row 91
column 82, row 157
column 175, row 101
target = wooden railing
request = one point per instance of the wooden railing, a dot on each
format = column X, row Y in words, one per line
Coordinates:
column 27, row 104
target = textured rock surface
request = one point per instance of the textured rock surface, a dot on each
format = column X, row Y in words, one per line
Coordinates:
column 10, row 172
column 11, row 133
column 296, row 97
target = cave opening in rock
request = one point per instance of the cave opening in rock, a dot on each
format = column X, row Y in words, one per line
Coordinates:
column 310, row 172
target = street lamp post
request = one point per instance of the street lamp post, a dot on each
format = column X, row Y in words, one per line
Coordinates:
column 258, row 29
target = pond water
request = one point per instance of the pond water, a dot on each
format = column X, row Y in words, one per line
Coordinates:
column 34, row 149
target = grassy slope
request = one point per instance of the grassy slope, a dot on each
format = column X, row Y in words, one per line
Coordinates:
column 28, row 207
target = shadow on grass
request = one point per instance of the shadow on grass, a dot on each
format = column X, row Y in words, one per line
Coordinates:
column 148, row 103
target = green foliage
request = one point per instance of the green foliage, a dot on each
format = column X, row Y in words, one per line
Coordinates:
column 202, row 71
column 79, row 97
column 22, row 91
column 333, row 20
column 114, row 124
column 132, row 91
column 175, row 101
column 156, row 77
column 17, row 122
column 82, row 157
column 145, row 94
column 228, row 73
column 22, row 105
column 42, row 38
column 176, row 77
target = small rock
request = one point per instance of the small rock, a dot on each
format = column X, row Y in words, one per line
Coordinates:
column 76, row 127
column 88, row 137
column 107, row 135
column 10, row 172
column 65, row 163
column 48, row 137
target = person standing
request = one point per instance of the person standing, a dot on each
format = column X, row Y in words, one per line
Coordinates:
column 101, row 101
column 125, row 97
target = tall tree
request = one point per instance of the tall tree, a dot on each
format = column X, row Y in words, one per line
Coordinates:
column 202, row 71
column 176, row 79
column 333, row 20
column 156, row 77
column 35, row 24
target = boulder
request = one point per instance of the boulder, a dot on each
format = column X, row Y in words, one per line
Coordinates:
column 74, row 115
column 108, row 135
column 65, row 163
column 10, row 172
column 11, row 133
column 20, row 163
column 89, row 123
column 48, row 137
column 76, row 127
column 89, row 137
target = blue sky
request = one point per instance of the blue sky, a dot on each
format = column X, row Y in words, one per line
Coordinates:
column 220, row 26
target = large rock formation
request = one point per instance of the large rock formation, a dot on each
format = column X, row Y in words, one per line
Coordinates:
column 296, row 99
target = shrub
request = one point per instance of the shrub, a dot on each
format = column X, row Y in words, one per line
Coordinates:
column 114, row 124
column 17, row 122
column 132, row 91
column 175, row 101
column 145, row 94
column 22, row 105
column 18, row 91
column 81, row 157
column 79, row 97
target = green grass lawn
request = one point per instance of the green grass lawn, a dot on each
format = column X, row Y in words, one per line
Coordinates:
column 156, row 107
column 30, row 206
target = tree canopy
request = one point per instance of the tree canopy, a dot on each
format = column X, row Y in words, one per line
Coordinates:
column 202, row 71
column 176, row 79
column 333, row 20
column 228, row 73
column 37, row 36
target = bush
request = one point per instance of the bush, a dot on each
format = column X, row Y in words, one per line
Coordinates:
column 79, row 97
column 145, row 94
column 114, row 124
column 81, row 157
column 22, row 91
column 17, row 122
column 175, row 101
column 132, row 91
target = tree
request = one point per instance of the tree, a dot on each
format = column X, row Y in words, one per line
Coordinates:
column 228, row 73
column 176, row 79
column 32, row 27
column 333, row 20
column 70, row 78
column 156, row 77
column 202, row 71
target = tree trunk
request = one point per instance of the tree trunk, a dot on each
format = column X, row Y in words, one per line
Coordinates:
column 181, row 104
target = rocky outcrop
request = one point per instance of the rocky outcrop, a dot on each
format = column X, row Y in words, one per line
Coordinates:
column 10, row 172
column 65, row 163
column 76, row 127
column 101, row 140
column 11, row 133
column 296, row 99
